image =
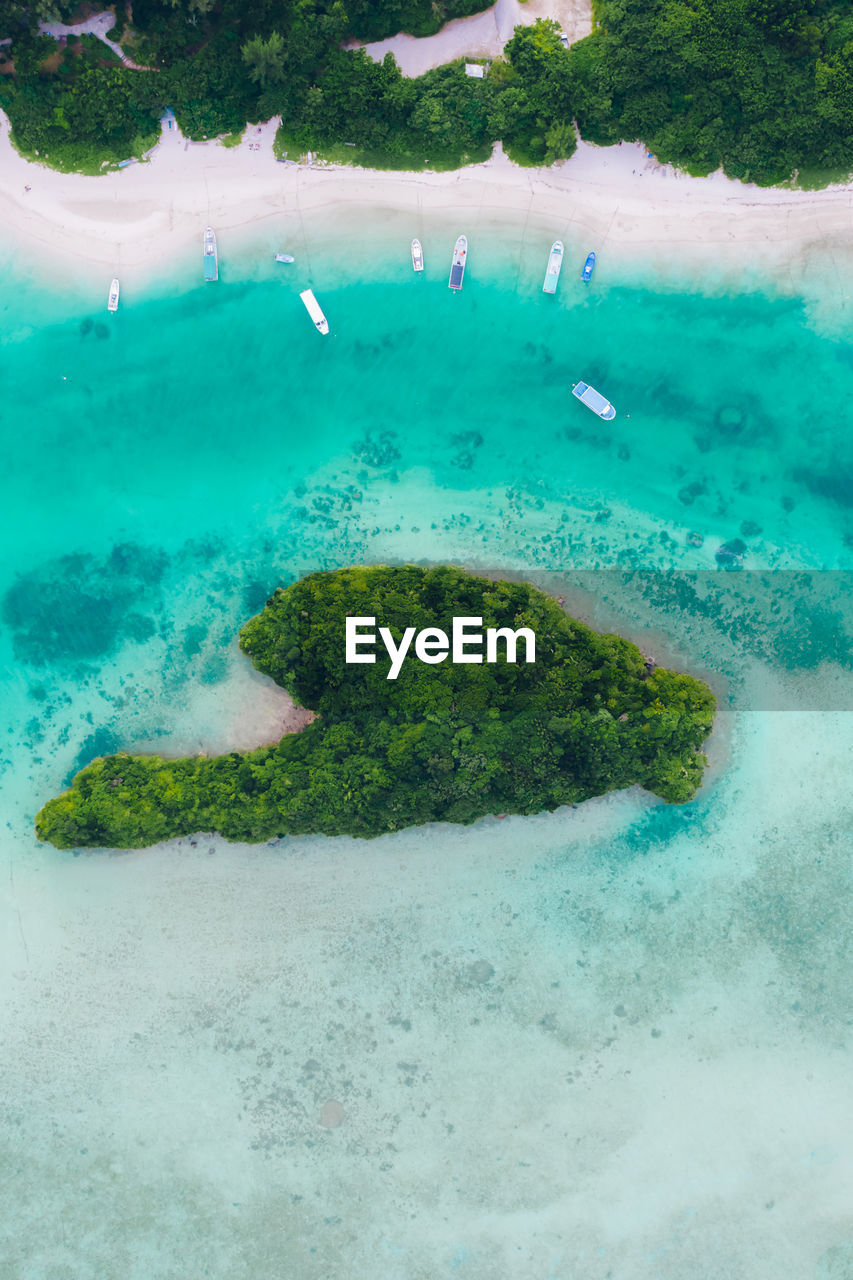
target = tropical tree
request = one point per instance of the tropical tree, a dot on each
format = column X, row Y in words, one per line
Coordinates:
column 265, row 59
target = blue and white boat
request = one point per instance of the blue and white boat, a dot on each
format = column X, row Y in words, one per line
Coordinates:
column 457, row 267
column 588, row 267
column 555, row 262
column 594, row 400
column 211, row 258
column 284, row 257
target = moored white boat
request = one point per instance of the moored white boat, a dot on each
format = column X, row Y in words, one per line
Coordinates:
column 284, row 257
column 211, row 258
column 314, row 310
column 594, row 400
column 555, row 263
column 417, row 256
column 457, row 267
column 112, row 301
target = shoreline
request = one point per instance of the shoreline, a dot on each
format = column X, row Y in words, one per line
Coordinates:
column 137, row 222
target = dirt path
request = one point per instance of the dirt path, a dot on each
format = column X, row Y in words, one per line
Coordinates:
column 98, row 26
column 481, row 36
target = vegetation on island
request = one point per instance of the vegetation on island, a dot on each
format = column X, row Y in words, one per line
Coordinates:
column 764, row 91
column 449, row 742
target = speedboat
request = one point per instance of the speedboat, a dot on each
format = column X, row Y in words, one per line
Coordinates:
column 457, row 267
column 211, row 257
column 594, row 400
column 314, row 310
column 555, row 263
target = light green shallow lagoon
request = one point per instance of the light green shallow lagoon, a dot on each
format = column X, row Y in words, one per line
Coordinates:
column 610, row 1041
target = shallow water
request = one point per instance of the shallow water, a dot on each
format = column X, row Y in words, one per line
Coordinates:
column 607, row 1041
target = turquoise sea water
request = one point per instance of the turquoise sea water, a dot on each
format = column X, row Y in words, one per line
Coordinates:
column 601, row 1042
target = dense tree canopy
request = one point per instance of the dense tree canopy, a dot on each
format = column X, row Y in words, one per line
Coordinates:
column 760, row 87
column 447, row 742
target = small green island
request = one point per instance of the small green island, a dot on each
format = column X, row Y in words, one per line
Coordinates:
column 443, row 741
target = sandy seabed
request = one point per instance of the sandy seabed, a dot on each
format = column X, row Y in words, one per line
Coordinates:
column 570, row 1046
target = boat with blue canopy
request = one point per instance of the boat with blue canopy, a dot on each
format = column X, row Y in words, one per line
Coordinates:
column 457, row 268
column 588, row 267
column 594, row 400
column 211, row 258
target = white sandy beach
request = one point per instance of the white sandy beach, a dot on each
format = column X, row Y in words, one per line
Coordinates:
column 131, row 221
column 144, row 215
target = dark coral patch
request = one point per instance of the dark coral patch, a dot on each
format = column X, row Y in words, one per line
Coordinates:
column 80, row 607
